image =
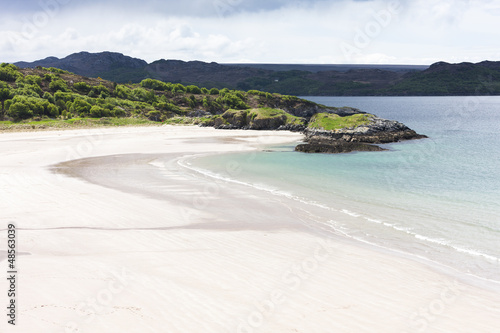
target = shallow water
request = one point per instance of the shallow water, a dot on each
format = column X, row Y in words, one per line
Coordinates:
column 436, row 199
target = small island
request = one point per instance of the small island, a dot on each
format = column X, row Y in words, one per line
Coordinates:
column 50, row 98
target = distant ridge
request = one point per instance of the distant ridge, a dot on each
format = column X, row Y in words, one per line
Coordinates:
column 314, row 68
column 439, row 79
column 89, row 64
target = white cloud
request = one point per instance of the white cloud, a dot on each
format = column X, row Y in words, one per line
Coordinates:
column 279, row 31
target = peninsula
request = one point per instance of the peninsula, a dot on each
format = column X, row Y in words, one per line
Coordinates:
column 40, row 98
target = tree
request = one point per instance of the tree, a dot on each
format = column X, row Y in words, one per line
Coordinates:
column 20, row 111
column 48, row 97
column 8, row 72
column 52, row 110
column 81, row 107
column 4, row 95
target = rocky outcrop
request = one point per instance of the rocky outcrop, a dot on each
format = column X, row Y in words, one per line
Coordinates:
column 361, row 138
column 377, row 131
column 257, row 119
column 336, row 147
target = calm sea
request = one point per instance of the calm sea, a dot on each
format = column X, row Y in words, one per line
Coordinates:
column 436, row 199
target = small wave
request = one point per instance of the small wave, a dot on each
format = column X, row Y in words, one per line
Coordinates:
column 446, row 242
column 348, row 212
column 231, row 180
column 157, row 164
column 261, row 187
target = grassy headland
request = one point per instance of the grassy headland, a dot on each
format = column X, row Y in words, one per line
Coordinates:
column 51, row 98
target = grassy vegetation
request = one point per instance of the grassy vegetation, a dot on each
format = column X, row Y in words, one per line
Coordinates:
column 332, row 122
column 41, row 97
column 52, row 124
column 256, row 118
column 269, row 113
column 49, row 98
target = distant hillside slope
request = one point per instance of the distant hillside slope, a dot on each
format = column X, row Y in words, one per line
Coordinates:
column 314, row 68
column 108, row 65
column 440, row 79
column 201, row 73
column 443, row 79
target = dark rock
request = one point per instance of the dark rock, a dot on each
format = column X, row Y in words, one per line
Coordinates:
column 336, row 147
column 377, row 131
column 270, row 123
column 292, row 128
column 360, row 138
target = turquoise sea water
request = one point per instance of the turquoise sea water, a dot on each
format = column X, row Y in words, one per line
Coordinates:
column 436, row 199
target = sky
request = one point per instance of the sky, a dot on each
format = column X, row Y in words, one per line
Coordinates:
column 418, row 32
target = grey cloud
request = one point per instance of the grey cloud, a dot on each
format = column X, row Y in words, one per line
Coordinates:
column 197, row 8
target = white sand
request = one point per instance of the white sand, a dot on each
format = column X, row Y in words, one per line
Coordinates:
column 204, row 259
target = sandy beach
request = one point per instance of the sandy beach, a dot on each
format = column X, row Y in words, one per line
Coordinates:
column 105, row 246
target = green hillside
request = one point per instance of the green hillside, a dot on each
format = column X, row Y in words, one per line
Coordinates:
column 50, row 95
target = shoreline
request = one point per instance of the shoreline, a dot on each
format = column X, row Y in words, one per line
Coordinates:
column 172, row 257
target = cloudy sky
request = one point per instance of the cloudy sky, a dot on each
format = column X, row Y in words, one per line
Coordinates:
column 264, row 31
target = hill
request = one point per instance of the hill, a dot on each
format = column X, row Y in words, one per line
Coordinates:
column 440, row 79
column 444, row 79
column 314, row 68
column 55, row 93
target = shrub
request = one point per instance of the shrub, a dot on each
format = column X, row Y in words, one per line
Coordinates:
column 168, row 107
column 56, row 70
column 232, row 101
column 214, row 91
column 122, row 91
column 193, row 90
column 156, row 85
column 80, row 107
column 178, row 88
column 154, row 115
column 119, row 112
column 28, row 90
column 143, row 95
column 58, row 85
column 33, row 79
column 50, row 77
column 99, row 91
column 82, row 87
column 98, row 112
